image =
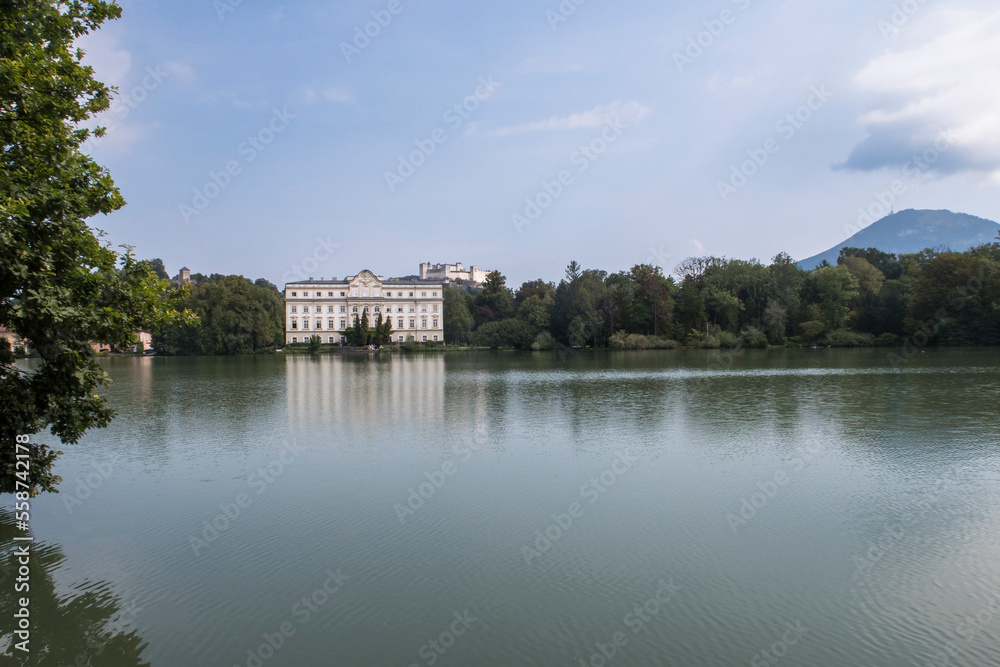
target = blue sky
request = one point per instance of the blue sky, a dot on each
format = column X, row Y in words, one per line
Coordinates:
column 281, row 140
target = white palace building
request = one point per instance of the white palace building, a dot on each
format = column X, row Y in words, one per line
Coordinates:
column 325, row 308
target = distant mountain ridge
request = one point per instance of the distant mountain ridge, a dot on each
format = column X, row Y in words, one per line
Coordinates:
column 913, row 230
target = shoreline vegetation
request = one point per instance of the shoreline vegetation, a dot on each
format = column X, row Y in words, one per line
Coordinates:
column 869, row 298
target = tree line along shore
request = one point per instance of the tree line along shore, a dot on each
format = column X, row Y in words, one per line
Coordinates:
column 868, row 298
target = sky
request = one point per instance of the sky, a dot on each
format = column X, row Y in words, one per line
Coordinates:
column 316, row 139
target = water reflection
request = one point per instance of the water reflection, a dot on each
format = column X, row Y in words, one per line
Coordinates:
column 86, row 624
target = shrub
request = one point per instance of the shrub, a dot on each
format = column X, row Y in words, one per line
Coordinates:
column 887, row 340
column 727, row 339
column 848, row 338
column 754, row 338
column 811, row 329
column 544, row 341
column 505, row 333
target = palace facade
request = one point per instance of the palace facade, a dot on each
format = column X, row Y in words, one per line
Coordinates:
column 325, row 308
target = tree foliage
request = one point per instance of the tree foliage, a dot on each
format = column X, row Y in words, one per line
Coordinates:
column 61, row 287
column 236, row 316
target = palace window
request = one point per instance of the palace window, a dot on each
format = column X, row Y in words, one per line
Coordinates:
column 399, row 310
column 294, row 339
column 295, row 293
column 330, row 339
column 411, row 295
column 423, row 309
column 399, row 294
column 377, row 309
column 329, row 309
column 343, row 294
column 305, row 324
column 400, row 339
column 435, row 336
column 330, row 325
column 354, row 309
column 434, row 293
column 413, row 323
column 330, row 294
column 343, row 309
column 295, row 324
column 305, row 309
column 424, row 338
column 400, row 325
column 343, row 324
column 435, row 323
column 423, row 294
column 295, row 308
column 319, row 325
column 412, row 308
column 435, row 308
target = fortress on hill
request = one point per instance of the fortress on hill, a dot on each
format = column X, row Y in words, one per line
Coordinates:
column 452, row 273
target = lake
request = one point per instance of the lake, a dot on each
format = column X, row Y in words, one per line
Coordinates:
column 799, row 507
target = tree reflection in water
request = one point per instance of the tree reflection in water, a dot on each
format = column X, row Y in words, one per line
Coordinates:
column 87, row 628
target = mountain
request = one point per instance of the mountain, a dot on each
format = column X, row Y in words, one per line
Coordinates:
column 912, row 231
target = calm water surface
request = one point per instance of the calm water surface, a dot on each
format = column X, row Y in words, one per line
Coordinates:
column 662, row 508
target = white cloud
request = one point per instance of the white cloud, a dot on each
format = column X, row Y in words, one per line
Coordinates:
column 947, row 83
column 628, row 113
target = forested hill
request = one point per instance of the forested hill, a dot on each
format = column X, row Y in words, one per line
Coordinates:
column 911, row 231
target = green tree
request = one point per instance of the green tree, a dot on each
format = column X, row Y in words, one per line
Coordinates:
column 315, row 344
column 235, row 316
column 836, row 287
column 60, row 286
column 386, row 331
column 494, row 300
column 156, row 265
column 364, row 331
column 886, row 262
column 457, row 318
